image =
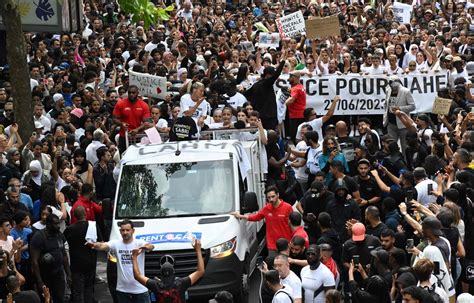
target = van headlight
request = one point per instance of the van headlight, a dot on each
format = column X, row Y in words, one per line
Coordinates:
column 224, row 249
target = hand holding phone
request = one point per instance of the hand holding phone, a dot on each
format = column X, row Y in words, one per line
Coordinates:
column 356, row 260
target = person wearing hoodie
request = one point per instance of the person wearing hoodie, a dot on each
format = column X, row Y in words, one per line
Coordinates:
column 168, row 279
column 313, row 203
column 342, row 209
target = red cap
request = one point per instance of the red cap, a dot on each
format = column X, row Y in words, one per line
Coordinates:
column 358, row 232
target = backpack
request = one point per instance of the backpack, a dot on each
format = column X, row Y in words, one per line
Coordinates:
column 435, row 297
column 168, row 295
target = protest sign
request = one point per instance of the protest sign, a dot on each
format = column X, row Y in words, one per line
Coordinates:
column 148, row 85
column 322, row 27
column 291, row 25
column 247, row 46
column 441, row 106
column 402, row 12
column 365, row 95
column 269, row 40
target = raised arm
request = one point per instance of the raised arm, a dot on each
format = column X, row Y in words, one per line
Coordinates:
column 383, row 187
column 195, row 276
column 331, row 109
column 136, row 270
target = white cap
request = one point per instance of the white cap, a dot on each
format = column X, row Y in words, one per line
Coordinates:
column 57, row 97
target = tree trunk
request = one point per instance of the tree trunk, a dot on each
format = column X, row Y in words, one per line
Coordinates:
column 19, row 73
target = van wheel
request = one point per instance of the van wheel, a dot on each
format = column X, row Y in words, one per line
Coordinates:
column 243, row 293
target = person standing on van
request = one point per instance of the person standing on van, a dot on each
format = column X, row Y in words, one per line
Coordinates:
column 129, row 290
column 129, row 113
column 276, row 214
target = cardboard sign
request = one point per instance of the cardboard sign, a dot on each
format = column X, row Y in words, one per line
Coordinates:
column 149, row 85
column 402, row 12
column 441, row 106
column 269, row 40
column 323, row 27
column 291, row 25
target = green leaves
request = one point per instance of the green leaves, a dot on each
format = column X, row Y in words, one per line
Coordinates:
column 146, row 11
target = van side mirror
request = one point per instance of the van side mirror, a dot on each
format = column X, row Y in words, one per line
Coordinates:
column 250, row 203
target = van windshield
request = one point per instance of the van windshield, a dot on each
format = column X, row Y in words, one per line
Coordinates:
column 176, row 189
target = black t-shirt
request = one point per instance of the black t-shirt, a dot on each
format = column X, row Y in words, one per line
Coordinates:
column 296, row 268
column 273, row 172
column 350, row 183
column 49, row 243
column 377, row 230
column 368, row 189
column 83, row 258
column 3, row 286
column 363, row 248
column 183, row 129
column 26, row 296
column 181, row 284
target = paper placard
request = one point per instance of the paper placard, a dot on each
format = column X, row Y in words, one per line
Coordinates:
column 323, row 27
column 149, row 85
column 402, row 12
column 441, row 106
column 269, row 40
column 291, row 25
column 153, row 135
column 247, row 46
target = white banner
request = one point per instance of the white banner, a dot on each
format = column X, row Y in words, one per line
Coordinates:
column 365, row 95
column 148, row 85
column 291, row 25
column 402, row 12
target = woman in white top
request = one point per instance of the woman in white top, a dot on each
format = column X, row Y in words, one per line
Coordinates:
column 410, row 55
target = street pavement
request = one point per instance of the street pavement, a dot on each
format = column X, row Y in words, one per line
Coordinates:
column 102, row 293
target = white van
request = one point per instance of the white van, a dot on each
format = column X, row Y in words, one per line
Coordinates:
column 176, row 191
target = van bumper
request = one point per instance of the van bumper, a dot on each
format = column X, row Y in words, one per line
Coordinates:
column 220, row 274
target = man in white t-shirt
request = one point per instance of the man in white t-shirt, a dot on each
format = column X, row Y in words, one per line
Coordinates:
column 288, row 278
column 129, row 290
column 376, row 68
column 281, row 293
column 316, row 278
column 422, row 185
column 194, row 105
column 317, row 123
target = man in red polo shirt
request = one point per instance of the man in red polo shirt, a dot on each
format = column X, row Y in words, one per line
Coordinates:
column 130, row 113
column 276, row 214
column 297, row 229
column 296, row 103
column 92, row 209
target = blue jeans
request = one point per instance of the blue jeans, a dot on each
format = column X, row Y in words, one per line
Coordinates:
column 123, row 297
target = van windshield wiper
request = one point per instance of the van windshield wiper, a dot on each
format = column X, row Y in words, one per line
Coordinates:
column 192, row 215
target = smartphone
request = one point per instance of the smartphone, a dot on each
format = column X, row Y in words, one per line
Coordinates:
column 410, row 243
column 409, row 195
column 430, row 188
column 260, row 262
column 356, row 260
column 436, row 268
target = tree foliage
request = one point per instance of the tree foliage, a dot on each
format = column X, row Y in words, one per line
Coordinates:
column 146, row 11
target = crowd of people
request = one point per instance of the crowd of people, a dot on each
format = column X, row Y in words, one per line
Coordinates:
column 384, row 205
